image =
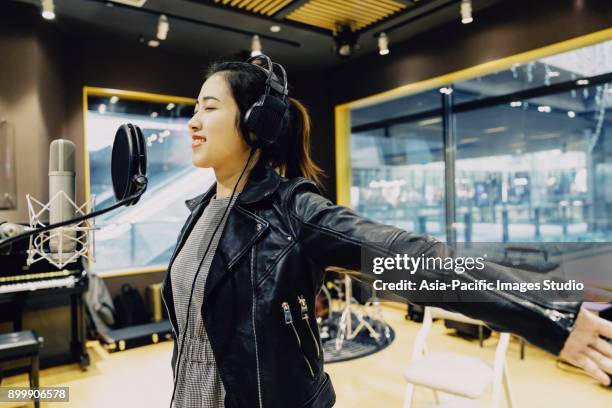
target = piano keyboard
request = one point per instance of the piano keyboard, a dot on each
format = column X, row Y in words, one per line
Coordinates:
column 68, row 282
column 41, row 280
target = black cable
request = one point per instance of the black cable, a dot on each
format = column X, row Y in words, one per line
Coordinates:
column 182, row 341
column 37, row 231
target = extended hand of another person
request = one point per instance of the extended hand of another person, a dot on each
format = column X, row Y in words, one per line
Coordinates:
column 586, row 349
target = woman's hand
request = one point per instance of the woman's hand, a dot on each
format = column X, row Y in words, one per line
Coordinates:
column 586, row 349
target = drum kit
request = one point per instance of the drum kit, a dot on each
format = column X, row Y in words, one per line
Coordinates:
column 342, row 319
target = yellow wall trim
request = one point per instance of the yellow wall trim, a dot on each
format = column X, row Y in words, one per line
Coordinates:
column 137, row 95
column 130, row 272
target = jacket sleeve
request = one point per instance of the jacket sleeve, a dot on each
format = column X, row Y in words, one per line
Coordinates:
column 335, row 236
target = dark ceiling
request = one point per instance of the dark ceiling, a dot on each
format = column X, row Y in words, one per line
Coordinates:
column 209, row 29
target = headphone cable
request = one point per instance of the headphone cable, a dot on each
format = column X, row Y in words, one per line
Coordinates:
column 182, row 340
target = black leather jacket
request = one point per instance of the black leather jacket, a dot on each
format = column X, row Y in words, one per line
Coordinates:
column 279, row 238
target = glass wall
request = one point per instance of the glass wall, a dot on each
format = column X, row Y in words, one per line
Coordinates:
column 143, row 235
column 530, row 148
column 398, row 175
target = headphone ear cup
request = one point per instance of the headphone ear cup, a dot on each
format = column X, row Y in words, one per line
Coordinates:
column 265, row 119
column 249, row 124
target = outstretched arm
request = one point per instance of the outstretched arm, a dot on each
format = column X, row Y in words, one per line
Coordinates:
column 333, row 235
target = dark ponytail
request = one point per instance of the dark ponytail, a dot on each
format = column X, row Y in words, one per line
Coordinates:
column 291, row 154
column 298, row 162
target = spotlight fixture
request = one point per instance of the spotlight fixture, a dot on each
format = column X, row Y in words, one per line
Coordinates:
column 170, row 106
column 102, row 108
column 544, row 109
column 571, row 114
column 466, row 11
column 516, row 104
column 383, row 44
column 582, row 82
column 133, row 3
column 275, row 28
column 345, row 41
column 446, row 91
column 153, row 43
column 48, row 9
column 114, row 99
column 255, row 46
column 162, row 27
column 154, row 114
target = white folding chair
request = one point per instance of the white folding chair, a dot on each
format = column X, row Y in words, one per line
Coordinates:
column 455, row 373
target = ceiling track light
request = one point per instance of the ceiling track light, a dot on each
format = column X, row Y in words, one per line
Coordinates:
column 383, row 44
column 544, row 109
column 345, row 40
column 163, row 26
column 255, row 46
column 48, row 9
column 466, row 11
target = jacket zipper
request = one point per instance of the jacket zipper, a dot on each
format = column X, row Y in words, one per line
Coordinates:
column 552, row 314
column 254, row 329
column 289, row 321
column 304, row 311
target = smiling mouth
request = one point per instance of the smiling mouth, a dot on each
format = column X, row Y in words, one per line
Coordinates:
column 197, row 140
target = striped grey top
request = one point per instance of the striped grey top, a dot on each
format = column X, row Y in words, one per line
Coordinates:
column 198, row 381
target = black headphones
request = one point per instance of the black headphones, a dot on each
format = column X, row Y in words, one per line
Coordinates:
column 265, row 117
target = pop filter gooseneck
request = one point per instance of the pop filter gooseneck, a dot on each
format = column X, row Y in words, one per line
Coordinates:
column 129, row 174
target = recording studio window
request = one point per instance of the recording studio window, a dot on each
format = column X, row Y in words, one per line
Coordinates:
column 530, row 147
column 398, row 169
column 144, row 235
column 538, row 166
column 538, row 171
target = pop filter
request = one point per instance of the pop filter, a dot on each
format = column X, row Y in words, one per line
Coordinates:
column 129, row 163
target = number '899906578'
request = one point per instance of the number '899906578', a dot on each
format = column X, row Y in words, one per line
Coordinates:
column 20, row 394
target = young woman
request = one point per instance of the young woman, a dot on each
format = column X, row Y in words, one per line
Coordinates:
column 250, row 259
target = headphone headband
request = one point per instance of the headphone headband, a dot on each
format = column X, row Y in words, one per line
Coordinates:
column 271, row 79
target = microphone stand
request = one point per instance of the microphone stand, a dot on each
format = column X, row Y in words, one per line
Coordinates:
column 127, row 200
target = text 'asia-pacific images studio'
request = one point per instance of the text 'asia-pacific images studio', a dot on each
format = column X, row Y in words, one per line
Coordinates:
column 305, row 203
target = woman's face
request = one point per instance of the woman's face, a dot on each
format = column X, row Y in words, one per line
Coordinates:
column 216, row 141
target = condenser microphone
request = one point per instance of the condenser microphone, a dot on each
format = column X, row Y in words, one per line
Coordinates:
column 129, row 177
column 62, row 188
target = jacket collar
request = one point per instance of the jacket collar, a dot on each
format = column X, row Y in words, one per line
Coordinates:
column 263, row 182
